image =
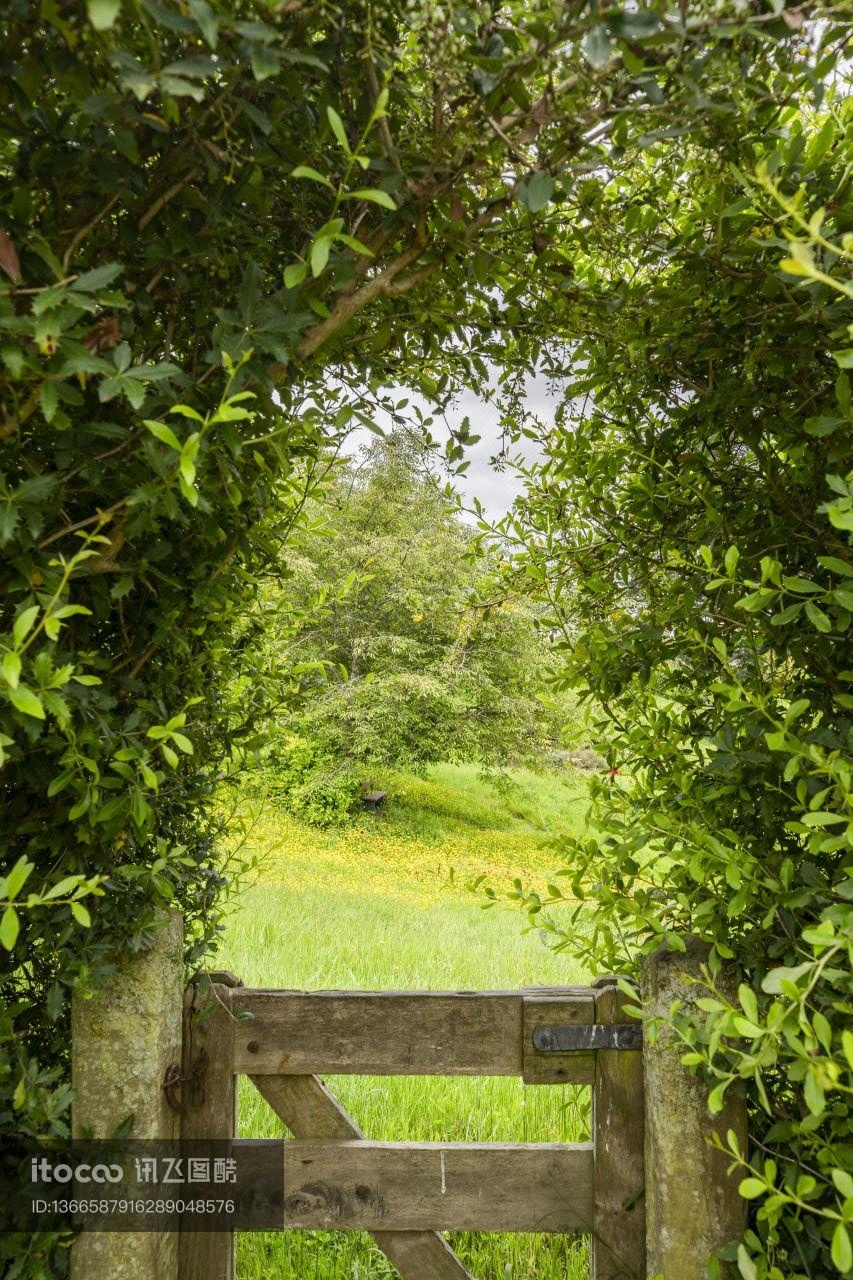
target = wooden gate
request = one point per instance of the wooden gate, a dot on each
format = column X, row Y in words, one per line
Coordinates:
column 405, row 1193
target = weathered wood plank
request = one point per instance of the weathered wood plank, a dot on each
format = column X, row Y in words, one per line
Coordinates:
column 310, row 1111
column 383, row 1032
column 550, row 1010
column 619, row 1236
column 307, row 1107
column 210, row 1111
column 380, row 1033
column 465, row 1186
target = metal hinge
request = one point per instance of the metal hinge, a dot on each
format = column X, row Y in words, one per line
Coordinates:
column 624, row 1035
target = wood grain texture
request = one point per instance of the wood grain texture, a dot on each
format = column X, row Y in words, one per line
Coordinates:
column 210, row 1111
column 309, row 1110
column 550, row 1010
column 465, row 1186
column 382, row 1033
column 618, row 1124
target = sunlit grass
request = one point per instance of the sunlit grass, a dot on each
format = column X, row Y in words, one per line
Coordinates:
column 384, row 904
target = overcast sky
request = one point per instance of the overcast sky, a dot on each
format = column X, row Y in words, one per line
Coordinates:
column 494, row 486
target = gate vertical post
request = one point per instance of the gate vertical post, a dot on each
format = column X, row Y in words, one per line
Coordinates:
column 122, row 1040
column 619, row 1229
column 209, row 1104
column 693, row 1207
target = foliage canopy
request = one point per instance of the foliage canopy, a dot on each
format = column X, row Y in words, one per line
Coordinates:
column 206, row 204
column 692, row 522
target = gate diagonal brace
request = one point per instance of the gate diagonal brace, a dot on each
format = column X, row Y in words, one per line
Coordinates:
column 627, row 1035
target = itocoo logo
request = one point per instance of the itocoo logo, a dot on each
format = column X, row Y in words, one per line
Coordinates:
column 43, row 1171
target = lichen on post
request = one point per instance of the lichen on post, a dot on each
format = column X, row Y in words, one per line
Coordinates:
column 693, row 1207
column 123, row 1039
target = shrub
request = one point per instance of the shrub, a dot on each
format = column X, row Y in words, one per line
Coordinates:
column 307, row 780
column 711, row 569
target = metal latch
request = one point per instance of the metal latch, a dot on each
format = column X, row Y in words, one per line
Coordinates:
column 623, row 1035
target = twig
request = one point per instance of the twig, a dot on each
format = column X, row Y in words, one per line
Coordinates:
column 84, row 231
column 164, row 199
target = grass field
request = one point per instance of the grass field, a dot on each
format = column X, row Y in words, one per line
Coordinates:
column 384, row 903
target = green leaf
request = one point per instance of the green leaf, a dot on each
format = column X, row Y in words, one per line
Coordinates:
column 843, row 568
column 596, row 47
column 338, row 129
column 716, row 1098
column 207, row 20
column 185, row 411
column 537, row 191
column 62, row 888
column 103, row 13
column 305, row 171
column 97, row 278
column 80, row 914
column 320, row 255
column 295, row 274
column 748, row 1002
column 847, row 1046
column 813, row 1094
column 49, row 399
column 374, row 195
column 17, row 877
column 164, row 433
column 27, row 702
column 842, row 1252
column 746, row 1266
column 751, row 1188
column 352, row 243
column 265, row 62
column 817, row 617
column 10, row 668
column 24, row 623
column 823, row 1031
column 773, row 979
column 9, row 928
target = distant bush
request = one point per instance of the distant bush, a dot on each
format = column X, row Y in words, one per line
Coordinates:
column 308, row 781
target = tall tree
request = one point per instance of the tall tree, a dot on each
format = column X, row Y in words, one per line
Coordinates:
column 420, row 666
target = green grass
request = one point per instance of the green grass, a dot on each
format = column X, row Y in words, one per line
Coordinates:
column 384, row 904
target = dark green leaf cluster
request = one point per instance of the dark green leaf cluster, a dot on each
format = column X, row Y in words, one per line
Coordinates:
column 696, row 498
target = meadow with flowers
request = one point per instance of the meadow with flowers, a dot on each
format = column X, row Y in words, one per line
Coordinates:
column 398, row 900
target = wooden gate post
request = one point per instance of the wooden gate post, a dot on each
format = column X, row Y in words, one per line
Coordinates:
column 618, row 1249
column 123, row 1039
column 209, row 1101
column 693, row 1207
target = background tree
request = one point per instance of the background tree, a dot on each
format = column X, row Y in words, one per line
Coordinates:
column 419, row 666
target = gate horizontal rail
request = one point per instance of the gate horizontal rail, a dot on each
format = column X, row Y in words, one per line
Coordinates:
column 484, row 1033
column 438, row 1186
